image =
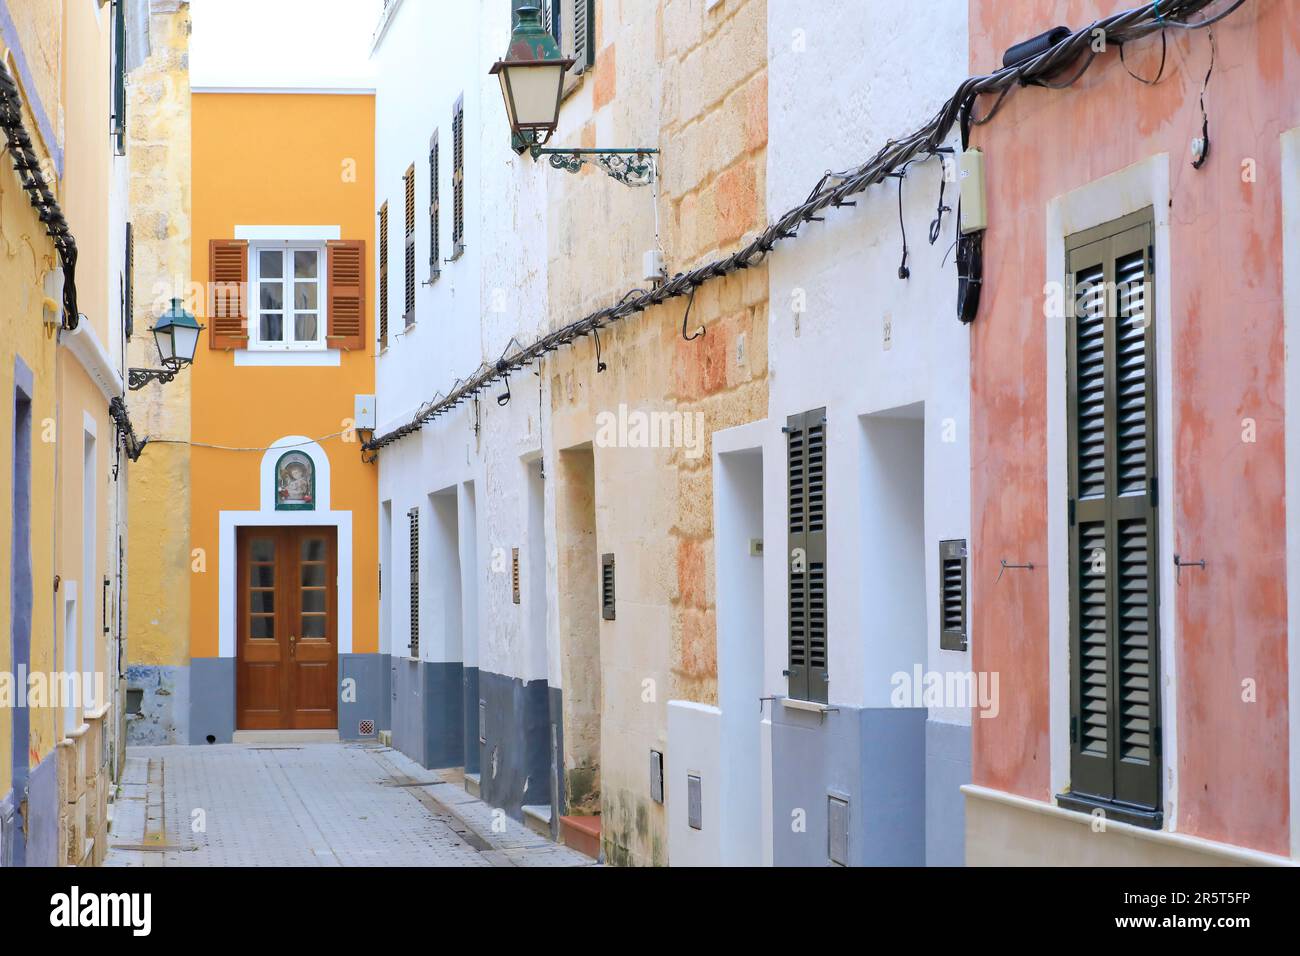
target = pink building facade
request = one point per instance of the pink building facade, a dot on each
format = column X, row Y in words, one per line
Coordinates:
column 1133, row 406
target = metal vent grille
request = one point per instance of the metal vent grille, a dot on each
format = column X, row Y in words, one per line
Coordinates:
column 607, row 586
column 366, row 728
column 952, row 595
column 514, row 574
column 413, row 516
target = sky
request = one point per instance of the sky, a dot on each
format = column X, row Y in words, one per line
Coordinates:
column 279, row 43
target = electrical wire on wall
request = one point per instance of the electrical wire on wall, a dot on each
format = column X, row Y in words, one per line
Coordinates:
column 835, row 190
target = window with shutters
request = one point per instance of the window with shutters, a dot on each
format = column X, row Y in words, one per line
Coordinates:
column 807, row 677
column 287, row 286
column 408, row 183
column 118, row 122
column 1115, row 738
column 383, row 276
column 607, row 587
column 458, row 178
column 952, row 595
column 435, row 262
column 573, row 25
column 280, row 296
column 413, row 517
column 128, row 285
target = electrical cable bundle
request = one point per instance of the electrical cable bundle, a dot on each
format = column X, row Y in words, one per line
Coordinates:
column 28, row 166
column 835, row 189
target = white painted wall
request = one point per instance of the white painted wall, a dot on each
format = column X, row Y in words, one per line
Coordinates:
column 495, row 291
column 839, row 87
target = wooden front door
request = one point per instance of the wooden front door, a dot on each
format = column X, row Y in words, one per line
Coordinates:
column 287, row 669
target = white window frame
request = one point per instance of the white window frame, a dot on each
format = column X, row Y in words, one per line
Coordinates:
column 286, row 246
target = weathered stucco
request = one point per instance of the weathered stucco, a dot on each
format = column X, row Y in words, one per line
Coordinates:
column 1230, row 758
column 692, row 82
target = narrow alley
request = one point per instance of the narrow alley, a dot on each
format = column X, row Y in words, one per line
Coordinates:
column 283, row 803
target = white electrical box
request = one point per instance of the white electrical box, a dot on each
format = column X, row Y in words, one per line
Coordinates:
column 652, row 266
column 363, row 416
column 974, row 208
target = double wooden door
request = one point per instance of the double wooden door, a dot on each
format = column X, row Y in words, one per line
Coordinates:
column 287, row 666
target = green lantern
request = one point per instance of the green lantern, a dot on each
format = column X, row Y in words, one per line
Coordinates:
column 532, row 78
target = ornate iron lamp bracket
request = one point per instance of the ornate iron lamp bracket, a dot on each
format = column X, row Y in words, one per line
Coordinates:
column 138, row 378
column 631, row 167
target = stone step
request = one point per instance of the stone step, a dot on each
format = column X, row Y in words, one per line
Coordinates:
column 538, row 818
column 582, row 834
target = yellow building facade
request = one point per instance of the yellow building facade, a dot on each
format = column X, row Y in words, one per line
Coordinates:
column 282, row 565
column 62, row 347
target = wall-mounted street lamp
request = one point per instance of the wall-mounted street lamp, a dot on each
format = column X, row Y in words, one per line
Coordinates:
column 176, row 333
column 532, row 82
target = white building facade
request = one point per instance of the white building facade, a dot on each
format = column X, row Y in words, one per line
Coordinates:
column 856, row 486
column 463, row 610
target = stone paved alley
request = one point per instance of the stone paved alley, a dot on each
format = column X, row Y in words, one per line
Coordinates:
column 311, row 804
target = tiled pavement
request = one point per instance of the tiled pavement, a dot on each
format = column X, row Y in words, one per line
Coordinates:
column 311, row 804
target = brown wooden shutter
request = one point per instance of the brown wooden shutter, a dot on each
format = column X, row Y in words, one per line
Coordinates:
column 227, row 293
column 383, row 277
column 409, row 302
column 347, row 294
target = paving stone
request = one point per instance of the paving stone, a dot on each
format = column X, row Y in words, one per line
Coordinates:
column 314, row 804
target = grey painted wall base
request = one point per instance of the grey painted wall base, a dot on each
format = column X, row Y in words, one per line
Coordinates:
column 470, row 699
column 371, row 702
column 428, row 714
column 872, row 757
column 947, row 770
column 212, row 700
column 8, row 819
column 43, row 813
column 164, row 716
column 515, row 763
column 559, row 802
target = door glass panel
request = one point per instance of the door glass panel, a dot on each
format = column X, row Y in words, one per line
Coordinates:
column 261, row 589
column 313, row 595
column 313, row 575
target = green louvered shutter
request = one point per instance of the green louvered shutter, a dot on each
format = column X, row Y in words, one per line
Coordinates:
column 806, row 555
column 1114, row 687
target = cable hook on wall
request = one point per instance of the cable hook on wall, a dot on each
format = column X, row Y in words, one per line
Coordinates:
column 504, row 370
column 686, row 316
column 600, row 366
column 1006, row 567
column 903, row 271
column 1201, row 146
column 1179, row 564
